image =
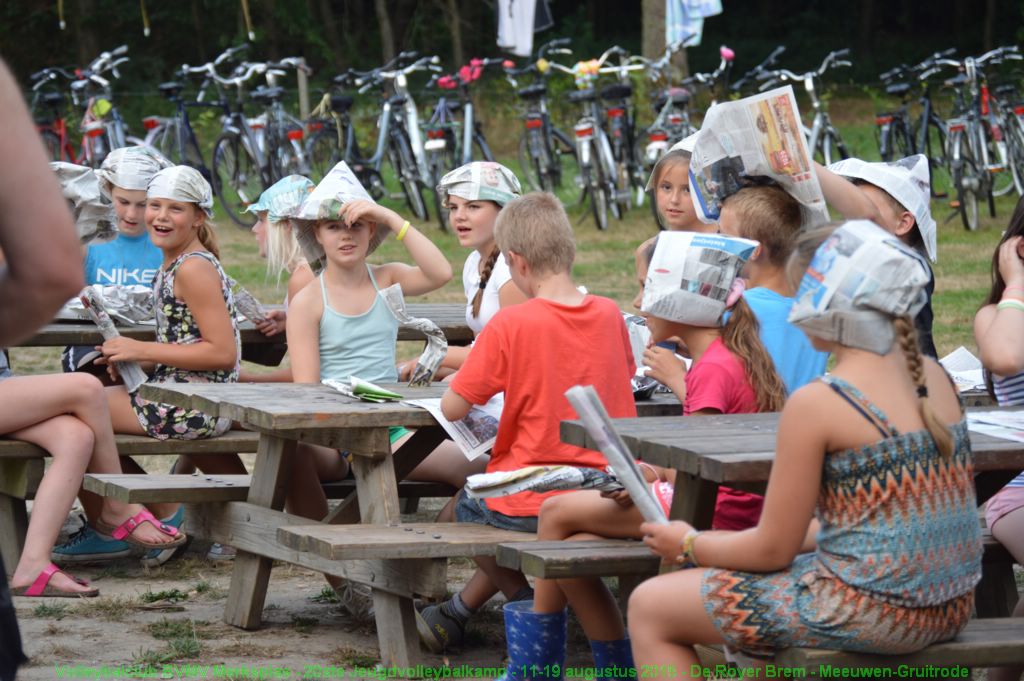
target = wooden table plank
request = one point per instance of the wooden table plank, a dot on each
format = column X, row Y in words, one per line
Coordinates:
column 419, row 540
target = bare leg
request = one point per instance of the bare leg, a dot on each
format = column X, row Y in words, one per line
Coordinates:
column 488, row 580
column 1009, row 530
column 70, row 442
column 666, row 635
column 447, row 464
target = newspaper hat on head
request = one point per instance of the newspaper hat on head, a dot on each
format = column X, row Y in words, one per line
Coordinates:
column 182, row 183
column 859, row 279
column 481, row 180
column 130, row 168
column 686, row 144
column 906, row 180
column 283, row 198
column 94, row 216
column 340, row 186
column 694, row 278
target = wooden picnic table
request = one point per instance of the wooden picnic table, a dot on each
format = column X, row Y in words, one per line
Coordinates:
column 284, row 414
column 737, row 450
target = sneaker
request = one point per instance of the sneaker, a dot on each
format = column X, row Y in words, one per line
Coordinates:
column 87, row 545
column 220, row 552
column 355, row 599
column 157, row 557
column 438, row 630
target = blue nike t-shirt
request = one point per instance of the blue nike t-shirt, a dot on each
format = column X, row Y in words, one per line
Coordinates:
column 125, row 261
column 796, row 360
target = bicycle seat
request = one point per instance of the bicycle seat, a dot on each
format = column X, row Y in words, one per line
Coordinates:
column 617, row 91
column 341, row 103
column 397, row 100
column 680, row 97
column 588, row 95
column 533, row 91
column 171, row 89
column 267, row 95
column 897, row 89
column 52, row 99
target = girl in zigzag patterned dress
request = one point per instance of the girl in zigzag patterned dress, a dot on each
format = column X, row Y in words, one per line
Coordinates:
column 878, row 452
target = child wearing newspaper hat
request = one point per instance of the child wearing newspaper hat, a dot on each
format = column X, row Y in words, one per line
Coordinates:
column 893, row 572
column 338, row 326
column 731, row 374
column 197, row 338
column 130, row 258
column 474, row 195
column 999, row 331
column 902, row 194
column 669, row 184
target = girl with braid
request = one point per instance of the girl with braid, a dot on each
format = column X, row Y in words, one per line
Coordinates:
column 474, row 195
column 877, row 452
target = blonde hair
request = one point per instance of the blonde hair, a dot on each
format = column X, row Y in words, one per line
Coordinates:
column 741, row 336
column 283, row 251
column 768, row 215
column 536, row 227
column 207, row 237
column 906, row 336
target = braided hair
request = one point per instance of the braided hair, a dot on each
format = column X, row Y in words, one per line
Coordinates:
column 485, row 276
column 906, row 336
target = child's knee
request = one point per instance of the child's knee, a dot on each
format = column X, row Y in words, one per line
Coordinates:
column 71, row 437
column 557, row 515
column 82, row 387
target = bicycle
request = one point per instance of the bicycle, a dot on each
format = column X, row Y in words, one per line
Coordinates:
column 823, row 139
column 452, row 143
column 546, row 154
column 398, row 131
column 53, row 129
column 620, row 118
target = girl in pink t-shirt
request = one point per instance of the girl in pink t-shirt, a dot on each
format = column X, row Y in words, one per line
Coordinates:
column 731, row 373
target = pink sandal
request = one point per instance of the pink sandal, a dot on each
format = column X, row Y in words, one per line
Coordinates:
column 41, row 588
column 124, row 531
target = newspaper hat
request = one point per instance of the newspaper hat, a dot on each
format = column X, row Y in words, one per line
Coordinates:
column 130, row 168
column 283, row 198
column 325, row 202
column 859, row 279
column 94, row 215
column 686, row 144
column 481, row 180
column 182, row 183
column 906, row 180
column 691, row 276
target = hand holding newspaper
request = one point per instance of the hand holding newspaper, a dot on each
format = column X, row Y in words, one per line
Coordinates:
column 587, row 404
column 760, row 135
column 437, row 345
column 246, row 303
column 131, row 373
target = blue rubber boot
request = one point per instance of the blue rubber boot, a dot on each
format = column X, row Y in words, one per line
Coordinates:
column 536, row 642
column 613, row 660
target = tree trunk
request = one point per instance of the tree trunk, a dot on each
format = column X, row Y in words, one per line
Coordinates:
column 451, row 10
column 387, row 36
column 270, row 28
column 653, row 28
column 197, row 27
column 82, row 16
column 990, row 19
column 331, row 31
column 867, row 29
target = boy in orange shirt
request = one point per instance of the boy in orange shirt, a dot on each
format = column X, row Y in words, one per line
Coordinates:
column 533, row 352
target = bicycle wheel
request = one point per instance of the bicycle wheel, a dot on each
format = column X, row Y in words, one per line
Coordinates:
column 481, row 149
column 166, row 142
column 563, row 166
column 237, row 180
column 832, row 147
column 1015, row 151
column 322, row 152
column 999, row 160
column 966, row 181
column 51, row 142
column 597, row 186
column 903, row 140
column 938, row 161
column 407, row 174
column 531, row 165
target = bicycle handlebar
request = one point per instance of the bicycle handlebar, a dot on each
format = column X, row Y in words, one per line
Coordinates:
column 760, row 68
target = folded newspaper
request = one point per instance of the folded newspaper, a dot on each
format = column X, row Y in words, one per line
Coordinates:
column 476, row 432
column 760, row 135
column 94, row 215
column 539, row 479
column 587, row 404
column 362, row 390
column 132, row 304
column 131, row 373
column 965, row 369
column 246, row 303
column 437, row 345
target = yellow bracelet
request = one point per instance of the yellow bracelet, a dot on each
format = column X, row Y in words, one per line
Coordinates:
column 686, row 558
column 401, row 232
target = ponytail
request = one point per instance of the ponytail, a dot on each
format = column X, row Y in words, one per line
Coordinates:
column 906, row 336
column 741, row 337
column 208, row 239
column 485, row 276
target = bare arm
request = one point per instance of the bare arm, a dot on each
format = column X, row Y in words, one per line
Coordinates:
column 304, row 335
column 844, row 197
column 454, row 406
column 37, row 235
column 195, row 279
column 1000, row 333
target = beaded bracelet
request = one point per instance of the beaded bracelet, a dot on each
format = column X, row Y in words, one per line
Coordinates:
column 401, row 232
column 1010, row 304
column 687, row 558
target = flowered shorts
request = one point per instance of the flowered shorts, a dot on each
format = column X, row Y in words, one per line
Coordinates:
column 164, row 421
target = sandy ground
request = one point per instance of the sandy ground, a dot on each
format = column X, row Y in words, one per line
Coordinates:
column 167, row 623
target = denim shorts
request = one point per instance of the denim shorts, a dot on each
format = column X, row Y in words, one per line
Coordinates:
column 469, row 510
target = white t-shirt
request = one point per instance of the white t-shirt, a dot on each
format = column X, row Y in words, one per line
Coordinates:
column 490, row 304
